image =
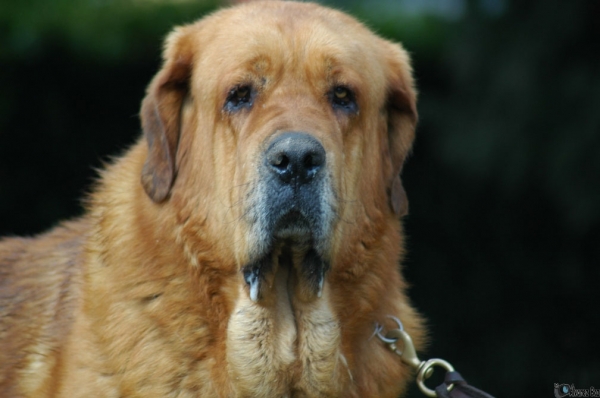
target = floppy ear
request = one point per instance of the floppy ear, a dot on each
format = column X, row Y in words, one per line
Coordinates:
column 160, row 115
column 402, row 120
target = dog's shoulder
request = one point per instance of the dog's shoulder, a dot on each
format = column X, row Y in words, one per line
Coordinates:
column 39, row 291
column 20, row 255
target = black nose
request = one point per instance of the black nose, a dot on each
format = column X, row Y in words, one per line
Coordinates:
column 295, row 156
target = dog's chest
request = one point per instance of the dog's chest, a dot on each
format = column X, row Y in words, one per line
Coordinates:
column 285, row 348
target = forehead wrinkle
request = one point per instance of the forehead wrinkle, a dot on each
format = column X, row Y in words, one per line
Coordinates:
column 251, row 48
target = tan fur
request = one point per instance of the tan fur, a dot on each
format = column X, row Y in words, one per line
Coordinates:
column 144, row 297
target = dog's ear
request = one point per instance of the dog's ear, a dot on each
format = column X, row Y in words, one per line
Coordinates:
column 402, row 121
column 160, row 114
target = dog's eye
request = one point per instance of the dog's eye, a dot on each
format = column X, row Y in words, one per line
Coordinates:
column 341, row 93
column 239, row 97
column 343, row 98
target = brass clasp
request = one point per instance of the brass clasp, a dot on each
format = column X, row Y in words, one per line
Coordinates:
column 408, row 355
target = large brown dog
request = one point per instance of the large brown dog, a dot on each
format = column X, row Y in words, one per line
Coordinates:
column 263, row 241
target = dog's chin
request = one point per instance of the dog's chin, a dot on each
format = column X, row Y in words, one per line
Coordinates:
column 294, row 249
column 293, row 228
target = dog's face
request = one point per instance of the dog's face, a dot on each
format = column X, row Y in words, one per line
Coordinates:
column 279, row 130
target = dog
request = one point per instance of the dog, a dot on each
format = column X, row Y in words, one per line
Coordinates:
column 248, row 243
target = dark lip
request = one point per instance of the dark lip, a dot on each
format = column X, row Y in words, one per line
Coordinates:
column 292, row 226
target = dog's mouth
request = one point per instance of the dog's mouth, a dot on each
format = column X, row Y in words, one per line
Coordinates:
column 293, row 227
column 293, row 251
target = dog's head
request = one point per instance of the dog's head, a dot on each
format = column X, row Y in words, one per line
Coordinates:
column 279, row 130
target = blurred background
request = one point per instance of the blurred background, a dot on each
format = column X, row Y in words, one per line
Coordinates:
column 504, row 182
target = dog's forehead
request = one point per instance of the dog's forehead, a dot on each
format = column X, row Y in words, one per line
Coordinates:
column 286, row 18
column 291, row 33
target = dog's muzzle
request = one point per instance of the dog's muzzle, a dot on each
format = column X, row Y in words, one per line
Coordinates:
column 292, row 211
column 296, row 163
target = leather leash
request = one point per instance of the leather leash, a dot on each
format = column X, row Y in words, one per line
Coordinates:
column 454, row 386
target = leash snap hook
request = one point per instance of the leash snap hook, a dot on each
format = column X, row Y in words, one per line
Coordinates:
column 408, row 355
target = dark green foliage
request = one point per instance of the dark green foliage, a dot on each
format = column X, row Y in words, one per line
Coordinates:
column 504, row 182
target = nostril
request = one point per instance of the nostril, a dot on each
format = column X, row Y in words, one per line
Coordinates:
column 313, row 161
column 308, row 161
column 281, row 161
